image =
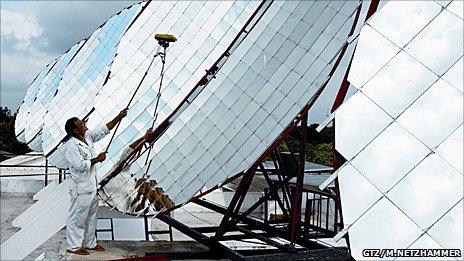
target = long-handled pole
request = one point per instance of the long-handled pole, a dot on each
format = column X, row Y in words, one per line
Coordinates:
column 156, row 110
column 162, row 55
column 163, row 61
column 135, row 92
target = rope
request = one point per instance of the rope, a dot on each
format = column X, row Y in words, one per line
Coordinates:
column 155, row 113
column 208, row 76
column 135, row 92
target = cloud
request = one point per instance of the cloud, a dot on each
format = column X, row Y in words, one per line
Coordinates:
column 35, row 32
column 21, row 59
column 66, row 23
column 17, row 72
column 17, row 26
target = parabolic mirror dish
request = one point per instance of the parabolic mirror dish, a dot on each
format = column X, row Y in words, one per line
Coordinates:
column 48, row 88
column 266, row 80
column 31, row 94
column 203, row 29
column 82, row 80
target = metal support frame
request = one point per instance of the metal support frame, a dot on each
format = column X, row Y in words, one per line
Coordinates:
column 46, row 172
column 274, row 191
column 236, row 202
column 296, row 202
column 149, row 232
column 111, row 229
column 242, row 222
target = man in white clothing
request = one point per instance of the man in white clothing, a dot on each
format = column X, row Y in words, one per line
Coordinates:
column 80, row 153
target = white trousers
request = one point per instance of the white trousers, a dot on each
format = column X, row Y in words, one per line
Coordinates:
column 82, row 221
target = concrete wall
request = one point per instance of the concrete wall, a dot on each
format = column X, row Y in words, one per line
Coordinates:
column 12, row 183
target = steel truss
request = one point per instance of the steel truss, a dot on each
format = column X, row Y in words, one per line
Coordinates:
column 296, row 228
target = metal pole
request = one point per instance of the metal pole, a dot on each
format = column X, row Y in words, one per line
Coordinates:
column 327, row 214
column 158, row 96
column 266, row 210
column 46, row 172
column 132, row 98
column 319, row 211
column 296, row 202
column 145, row 219
column 170, row 229
column 112, row 229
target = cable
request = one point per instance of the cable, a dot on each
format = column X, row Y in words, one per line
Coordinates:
column 135, row 92
column 162, row 55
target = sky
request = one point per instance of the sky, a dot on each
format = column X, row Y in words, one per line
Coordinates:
column 33, row 33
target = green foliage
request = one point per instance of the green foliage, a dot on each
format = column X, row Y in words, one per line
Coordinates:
column 8, row 141
column 318, row 148
column 320, row 153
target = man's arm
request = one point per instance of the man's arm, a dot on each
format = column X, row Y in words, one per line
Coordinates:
column 136, row 143
column 149, row 135
column 100, row 132
column 117, row 119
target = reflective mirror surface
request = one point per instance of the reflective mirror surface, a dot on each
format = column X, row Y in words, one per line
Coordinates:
column 416, row 162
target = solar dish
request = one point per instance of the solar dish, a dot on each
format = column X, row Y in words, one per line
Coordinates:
column 265, row 81
column 31, row 94
column 204, row 30
column 82, row 79
column 401, row 132
column 48, row 88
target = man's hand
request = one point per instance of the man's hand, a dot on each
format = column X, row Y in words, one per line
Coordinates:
column 100, row 158
column 123, row 113
column 149, row 135
column 117, row 119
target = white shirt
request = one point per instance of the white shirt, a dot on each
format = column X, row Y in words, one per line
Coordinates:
column 79, row 155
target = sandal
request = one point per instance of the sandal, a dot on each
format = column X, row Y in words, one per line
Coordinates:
column 80, row 251
column 97, row 248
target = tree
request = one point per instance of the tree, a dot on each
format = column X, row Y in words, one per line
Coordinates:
column 8, row 141
column 318, row 148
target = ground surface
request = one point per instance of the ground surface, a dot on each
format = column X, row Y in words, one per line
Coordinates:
column 55, row 247
column 131, row 249
column 11, row 207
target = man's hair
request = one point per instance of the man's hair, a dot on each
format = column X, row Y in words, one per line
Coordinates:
column 70, row 126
